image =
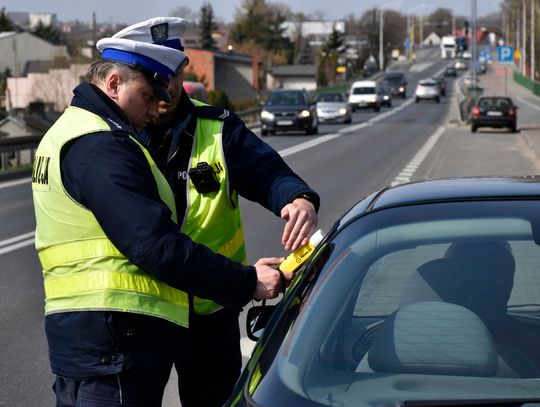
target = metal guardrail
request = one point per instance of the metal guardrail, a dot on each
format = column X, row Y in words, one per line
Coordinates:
column 11, row 151
column 11, row 144
column 250, row 116
column 12, row 147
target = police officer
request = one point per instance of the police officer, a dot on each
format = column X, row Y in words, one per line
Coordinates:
column 209, row 158
column 116, row 270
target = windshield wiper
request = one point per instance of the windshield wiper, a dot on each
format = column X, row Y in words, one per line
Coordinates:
column 523, row 305
column 471, row 403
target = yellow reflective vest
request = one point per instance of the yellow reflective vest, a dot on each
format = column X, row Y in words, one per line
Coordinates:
column 213, row 219
column 82, row 269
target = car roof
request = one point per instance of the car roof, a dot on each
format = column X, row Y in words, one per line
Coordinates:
column 395, row 73
column 287, row 90
column 364, row 83
column 449, row 190
column 432, row 81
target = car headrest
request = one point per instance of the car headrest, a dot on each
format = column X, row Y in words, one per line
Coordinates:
column 434, row 338
column 478, row 276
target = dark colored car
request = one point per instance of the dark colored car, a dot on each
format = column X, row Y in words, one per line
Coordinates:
column 494, row 111
column 450, row 71
column 386, row 94
column 289, row 110
column 397, row 82
column 423, row 294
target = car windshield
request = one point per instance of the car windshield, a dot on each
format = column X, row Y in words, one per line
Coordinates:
column 363, row 91
column 286, row 98
column 393, row 79
column 494, row 103
column 419, row 303
column 330, row 97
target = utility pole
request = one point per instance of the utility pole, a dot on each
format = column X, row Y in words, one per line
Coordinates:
column 93, row 52
column 473, row 38
column 524, row 38
column 381, row 39
column 533, row 28
column 421, row 39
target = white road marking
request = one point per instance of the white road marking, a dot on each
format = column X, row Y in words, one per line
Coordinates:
column 16, row 242
column 529, row 103
column 14, row 182
column 408, row 171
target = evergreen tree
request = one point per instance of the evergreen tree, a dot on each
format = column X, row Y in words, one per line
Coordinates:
column 47, row 33
column 207, row 27
column 329, row 58
column 5, row 22
column 261, row 24
column 305, row 56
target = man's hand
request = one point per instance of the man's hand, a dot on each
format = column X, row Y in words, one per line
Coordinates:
column 269, row 280
column 301, row 223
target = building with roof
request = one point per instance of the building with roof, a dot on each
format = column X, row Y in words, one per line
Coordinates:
column 19, row 49
column 235, row 74
column 292, row 77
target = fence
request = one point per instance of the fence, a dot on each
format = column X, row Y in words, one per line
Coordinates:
column 533, row 86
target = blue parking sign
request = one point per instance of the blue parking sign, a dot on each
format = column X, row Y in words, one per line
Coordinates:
column 505, row 53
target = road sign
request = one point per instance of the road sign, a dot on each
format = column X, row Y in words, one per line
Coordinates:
column 505, row 54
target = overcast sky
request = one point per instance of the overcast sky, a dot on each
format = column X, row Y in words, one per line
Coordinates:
column 131, row 11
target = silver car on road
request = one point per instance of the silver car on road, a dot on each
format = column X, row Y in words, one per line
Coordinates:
column 333, row 106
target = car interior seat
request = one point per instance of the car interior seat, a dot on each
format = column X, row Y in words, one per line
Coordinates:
column 434, row 338
column 479, row 276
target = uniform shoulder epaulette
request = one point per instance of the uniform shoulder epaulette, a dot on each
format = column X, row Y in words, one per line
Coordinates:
column 213, row 112
column 120, row 133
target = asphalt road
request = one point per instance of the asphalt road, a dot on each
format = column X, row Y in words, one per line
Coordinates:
column 343, row 162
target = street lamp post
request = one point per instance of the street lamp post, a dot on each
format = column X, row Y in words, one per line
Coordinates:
column 524, row 37
column 381, row 39
column 533, row 68
column 411, row 26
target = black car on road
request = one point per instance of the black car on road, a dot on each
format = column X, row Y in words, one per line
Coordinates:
column 397, row 82
column 422, row 294
column 494, row 111
column 289, row 110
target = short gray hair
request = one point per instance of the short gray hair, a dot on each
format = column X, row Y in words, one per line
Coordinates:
column 98, row 71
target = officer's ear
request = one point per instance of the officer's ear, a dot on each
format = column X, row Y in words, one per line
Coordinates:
column 112, row 85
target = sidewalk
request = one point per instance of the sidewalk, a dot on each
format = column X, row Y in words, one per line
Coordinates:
column 528, row 103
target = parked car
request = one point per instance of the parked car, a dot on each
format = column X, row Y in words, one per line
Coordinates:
column 289, row 109
column 468, row 80
column 427, row 89
column 333, row 106
column 396, row 81
column 494, row 111
column 424, row 294
column 450, row 71
column 460, row 64
column 364, row 94
column 442, row 84
column 386, row 94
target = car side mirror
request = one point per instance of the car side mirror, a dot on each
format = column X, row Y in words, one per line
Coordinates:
column 256, row 320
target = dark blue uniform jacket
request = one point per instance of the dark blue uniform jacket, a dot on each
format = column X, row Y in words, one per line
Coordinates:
column 256, row 171
column 108, row 174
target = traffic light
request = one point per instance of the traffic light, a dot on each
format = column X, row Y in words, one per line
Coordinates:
column 466, row 27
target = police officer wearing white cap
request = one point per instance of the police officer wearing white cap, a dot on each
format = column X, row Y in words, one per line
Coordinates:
column 116, row 270
column 224, row 159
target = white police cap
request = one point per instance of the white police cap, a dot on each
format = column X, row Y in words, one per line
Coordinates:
column 166, row 31
column 155, row 55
